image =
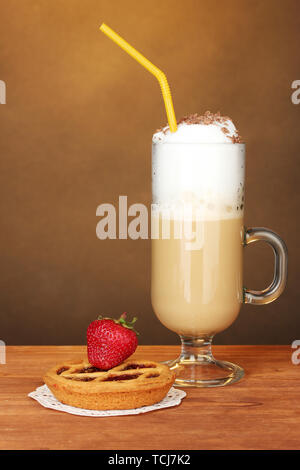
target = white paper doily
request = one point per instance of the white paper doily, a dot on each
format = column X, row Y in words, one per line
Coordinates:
column 44, row 396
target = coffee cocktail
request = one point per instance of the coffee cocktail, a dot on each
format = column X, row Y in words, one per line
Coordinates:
column 197, row 233
column 197, row 241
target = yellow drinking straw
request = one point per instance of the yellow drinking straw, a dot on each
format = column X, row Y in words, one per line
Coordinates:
column 161, row 77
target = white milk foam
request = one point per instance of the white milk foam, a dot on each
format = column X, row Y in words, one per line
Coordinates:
column 198, row 168
column 198, row 133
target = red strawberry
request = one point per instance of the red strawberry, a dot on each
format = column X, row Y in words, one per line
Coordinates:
column 110, row 342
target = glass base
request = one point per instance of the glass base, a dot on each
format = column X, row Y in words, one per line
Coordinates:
column 205, row 373
column 196, row 366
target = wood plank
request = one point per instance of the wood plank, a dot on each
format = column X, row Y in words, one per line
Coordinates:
column 260, row 412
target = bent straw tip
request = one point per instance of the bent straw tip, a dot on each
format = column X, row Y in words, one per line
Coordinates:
column 102, row 27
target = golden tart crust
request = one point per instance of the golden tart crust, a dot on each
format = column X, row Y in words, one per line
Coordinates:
column 132, row 384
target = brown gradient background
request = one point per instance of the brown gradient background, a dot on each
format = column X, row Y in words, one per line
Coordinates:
column 76, row 132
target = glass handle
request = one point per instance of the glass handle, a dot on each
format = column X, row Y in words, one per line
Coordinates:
column 277, row 286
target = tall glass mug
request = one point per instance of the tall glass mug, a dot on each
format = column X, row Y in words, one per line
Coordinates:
column 198, row 236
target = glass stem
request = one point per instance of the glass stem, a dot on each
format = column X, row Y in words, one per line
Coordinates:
column 196, row 349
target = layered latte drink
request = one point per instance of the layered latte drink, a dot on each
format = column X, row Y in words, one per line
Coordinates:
column 197, row 225
column 197, row 232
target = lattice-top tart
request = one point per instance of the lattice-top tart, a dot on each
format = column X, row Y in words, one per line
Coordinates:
column 132, row 384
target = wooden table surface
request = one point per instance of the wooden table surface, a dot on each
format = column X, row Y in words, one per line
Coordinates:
column 262, row 411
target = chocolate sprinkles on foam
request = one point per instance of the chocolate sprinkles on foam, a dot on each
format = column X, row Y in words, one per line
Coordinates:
column 207, row 119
